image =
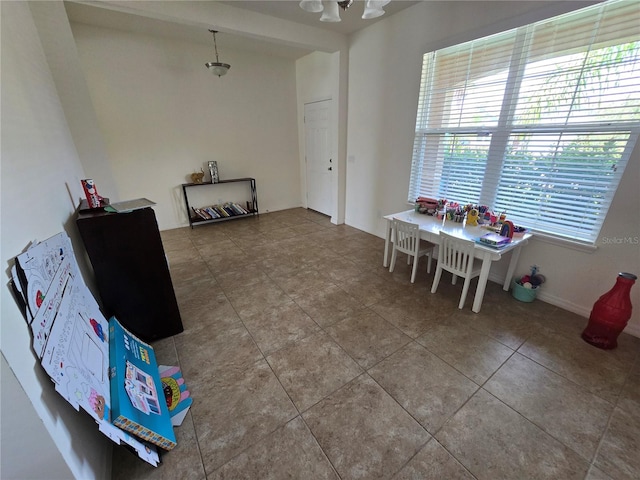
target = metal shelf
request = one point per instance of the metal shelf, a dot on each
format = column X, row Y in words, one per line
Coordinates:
column 194, row 221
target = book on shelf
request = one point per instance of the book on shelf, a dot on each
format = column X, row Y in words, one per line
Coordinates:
column 212, row 212
column 226, row 210
column 233, row 208
column 241, row 208
column 221, row 211
column 200, row 214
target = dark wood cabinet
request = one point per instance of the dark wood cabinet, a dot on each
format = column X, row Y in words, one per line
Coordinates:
column 132, row 275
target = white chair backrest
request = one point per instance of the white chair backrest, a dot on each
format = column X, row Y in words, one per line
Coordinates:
column 406, row 236
column 456, row 254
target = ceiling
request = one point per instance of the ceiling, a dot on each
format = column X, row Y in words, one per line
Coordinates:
column 351, row 20
column 93, row 14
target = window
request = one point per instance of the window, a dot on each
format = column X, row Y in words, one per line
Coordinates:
column 538, row 121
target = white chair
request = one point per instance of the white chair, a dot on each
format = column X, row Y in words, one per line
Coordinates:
column 406, row 239
column 455, row 255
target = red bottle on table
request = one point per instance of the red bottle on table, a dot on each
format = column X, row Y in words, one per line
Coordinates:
column 610, row 314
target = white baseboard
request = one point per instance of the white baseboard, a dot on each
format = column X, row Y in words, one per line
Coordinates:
column 564, row 304
column 633, row 330
column 569, row 306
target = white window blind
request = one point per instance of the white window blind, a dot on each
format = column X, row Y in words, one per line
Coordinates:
column 539, row 121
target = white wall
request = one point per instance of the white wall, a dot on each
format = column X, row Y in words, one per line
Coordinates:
column 40, row 186
column 164, row 116
column 62, row 58
column 318, row 77
column 161, row 98
column 18, row 415
column 384, row 75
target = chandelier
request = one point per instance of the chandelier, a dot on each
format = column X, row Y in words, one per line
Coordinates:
column 216, row 67
column 331, row 13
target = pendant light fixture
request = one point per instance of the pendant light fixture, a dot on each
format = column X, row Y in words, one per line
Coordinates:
column 331, row 13
column 216, row 67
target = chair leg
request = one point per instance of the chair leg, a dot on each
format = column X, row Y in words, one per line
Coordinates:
column 429, row 256
column 465, row 290
column 394, row 255
column 414, row 269
column 454, row 279
column 436, row 279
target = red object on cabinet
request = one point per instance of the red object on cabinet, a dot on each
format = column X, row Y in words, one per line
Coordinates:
column 610, row 314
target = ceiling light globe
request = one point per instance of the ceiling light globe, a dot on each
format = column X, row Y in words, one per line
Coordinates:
column 218, row 68
column 370, row 13
column 330, row 13
column 313, row 6
column 373, row 8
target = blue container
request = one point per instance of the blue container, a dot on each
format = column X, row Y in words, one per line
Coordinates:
column 523, row 294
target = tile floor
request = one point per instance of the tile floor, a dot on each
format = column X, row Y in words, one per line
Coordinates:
column 307, row 359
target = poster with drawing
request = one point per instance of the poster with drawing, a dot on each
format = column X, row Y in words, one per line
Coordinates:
column 36, row 268
column 45, row 317
column 70, row 334
column 76, row 356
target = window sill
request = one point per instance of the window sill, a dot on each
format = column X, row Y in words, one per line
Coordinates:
column 564, row 242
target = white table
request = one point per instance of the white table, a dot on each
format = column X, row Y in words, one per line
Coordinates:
column 430, row 228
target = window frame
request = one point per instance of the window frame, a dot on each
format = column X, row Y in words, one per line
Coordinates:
column 504, row 126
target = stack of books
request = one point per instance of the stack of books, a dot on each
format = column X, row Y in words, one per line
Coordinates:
column 494, row 240
column 229, row 209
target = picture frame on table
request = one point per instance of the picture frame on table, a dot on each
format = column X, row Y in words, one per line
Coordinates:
column 213, row 171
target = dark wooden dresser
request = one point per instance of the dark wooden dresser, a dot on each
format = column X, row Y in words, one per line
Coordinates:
column 131, row 270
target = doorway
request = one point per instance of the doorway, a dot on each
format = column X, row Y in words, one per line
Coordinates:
column 319, row 157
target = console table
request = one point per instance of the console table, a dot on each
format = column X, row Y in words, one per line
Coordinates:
column 252, row 203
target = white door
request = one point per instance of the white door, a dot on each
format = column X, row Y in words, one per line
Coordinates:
column 320, row 163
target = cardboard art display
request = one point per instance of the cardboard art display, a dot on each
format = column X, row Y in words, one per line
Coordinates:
column 70, row 334
column 137, row 398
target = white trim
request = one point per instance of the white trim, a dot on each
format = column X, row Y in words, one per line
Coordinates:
column 581, row 310
column 490, row 157
column 633, row 330
column 564, row 242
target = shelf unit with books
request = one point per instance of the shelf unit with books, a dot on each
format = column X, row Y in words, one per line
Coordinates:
column 222, row 211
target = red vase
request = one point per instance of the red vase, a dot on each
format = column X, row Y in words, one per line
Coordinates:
column 610, row 314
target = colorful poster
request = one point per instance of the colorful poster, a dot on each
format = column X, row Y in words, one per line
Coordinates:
column 76, row 356
column 137, row 400
column 70, row 334
column 44, row 319
column 175, row 391
column 38, row 265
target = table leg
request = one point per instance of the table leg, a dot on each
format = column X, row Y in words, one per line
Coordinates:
column 387, row 243
column 515, row 254
column 482, row 282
